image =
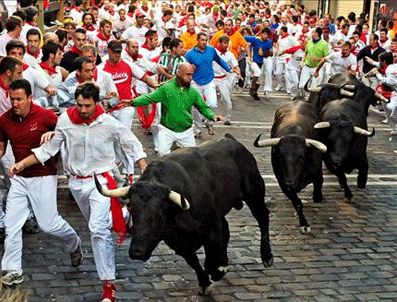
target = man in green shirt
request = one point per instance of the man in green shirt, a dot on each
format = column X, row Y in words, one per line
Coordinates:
column 177, row 100
column 316, row 50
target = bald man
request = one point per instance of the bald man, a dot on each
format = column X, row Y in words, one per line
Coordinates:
column 177, row 98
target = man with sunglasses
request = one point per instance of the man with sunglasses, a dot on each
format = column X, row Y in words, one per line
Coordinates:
column 136, row 31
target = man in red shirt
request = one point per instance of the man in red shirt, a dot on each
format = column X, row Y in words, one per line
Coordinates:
column 123, row 75
column 35, row 187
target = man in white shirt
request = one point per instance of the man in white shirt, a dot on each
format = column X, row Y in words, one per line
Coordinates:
column 223, row 80
column 164, row 24
column 33, row 54
column 340, row 62
column 14, row 27
column 137, row 31
column 88, row 134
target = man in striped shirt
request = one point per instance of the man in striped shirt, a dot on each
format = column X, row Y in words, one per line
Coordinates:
column 171, row 60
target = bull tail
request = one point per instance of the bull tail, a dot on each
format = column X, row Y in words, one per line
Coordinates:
column 228, row 135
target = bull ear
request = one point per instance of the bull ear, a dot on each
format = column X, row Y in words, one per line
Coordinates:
column 179, row 200
column 362, row 131
column 266, row 142
column 119, row 192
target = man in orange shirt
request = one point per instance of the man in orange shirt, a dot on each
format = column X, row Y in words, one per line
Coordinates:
column 189, row 37
column 237, row 41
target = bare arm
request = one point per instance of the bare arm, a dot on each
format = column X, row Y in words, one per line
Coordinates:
column 3, row 146
column 23, row 164
column 150, row 82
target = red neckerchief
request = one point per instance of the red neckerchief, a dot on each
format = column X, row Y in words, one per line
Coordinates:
column 75, row 50
column 95, row 76
column 232, row 31
column 75, row 117
column 145, row 8
column 25, row 66
column 36, row 54
column 5, row 87
column 384, row 40
column 89, row 28
column 30, row 23
column 111, row 12
column 130, row 14
column 134, row 59
column 101, row 36
column 50, row 70
column 305, row 30
column 146, row 46
column 119, row 226
column 284, row 35
column 218, row 47
column 382, row 70
column 77, row 8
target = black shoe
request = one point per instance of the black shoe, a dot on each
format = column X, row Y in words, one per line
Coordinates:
column 12, row 278
column 31, row 226
column 76, row 257
column 227, row 123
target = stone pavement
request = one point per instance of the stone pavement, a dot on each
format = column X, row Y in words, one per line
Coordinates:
column 349, row 256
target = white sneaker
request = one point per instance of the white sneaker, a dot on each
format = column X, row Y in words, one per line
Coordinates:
column 385, row 121
column 278, row 87
column 395, row 151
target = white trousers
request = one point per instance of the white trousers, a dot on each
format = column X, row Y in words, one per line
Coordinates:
column 305, row 76
column 208, row 92
column 279, row 72
column 224, row 87
column 155, row 127
column 167, row 137
column 391, row 111
column 95, row 209
column 292, row 80
column 125, row 116
column 267, row 72
column 40, row 195
column 7, row 160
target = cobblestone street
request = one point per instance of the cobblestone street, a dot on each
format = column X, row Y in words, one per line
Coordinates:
column 350, row 255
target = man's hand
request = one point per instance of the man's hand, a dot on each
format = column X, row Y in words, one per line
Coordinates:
column 46, row 137
column 15, row 169
column 51, row 90
column 236, row 70
column 369, row 60
column 315, row 74
column 219, row 118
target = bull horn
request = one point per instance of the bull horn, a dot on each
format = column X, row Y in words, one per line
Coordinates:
column 266, row 142
column 381, row 98
column 346, row 93
column 320, row 146
column 322, row 125
column 349, row 87
column 362, row 131
column 314, row 89
column 179, row 200
column 119, row 192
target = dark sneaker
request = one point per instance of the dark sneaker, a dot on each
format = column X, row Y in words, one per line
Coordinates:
column 109, row 292
column 227, row 123
column 76, row 257
column 12, row 278
column 31, row 226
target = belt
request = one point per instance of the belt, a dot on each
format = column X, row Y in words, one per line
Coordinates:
column 81, row 177
column 221, row 77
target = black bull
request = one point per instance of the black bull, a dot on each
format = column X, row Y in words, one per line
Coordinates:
column 296, row 154
column 183, row 198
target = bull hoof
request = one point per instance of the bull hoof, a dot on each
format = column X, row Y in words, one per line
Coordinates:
column 348, row 199
column 219, row 273
column 205, row 290
column 268, row 263
column 305, row 230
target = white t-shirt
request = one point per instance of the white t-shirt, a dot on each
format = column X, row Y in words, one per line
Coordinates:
column 341, row 64
column 229, row 58
column 137, row 33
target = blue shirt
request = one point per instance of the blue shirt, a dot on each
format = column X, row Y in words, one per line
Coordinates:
column 202, row 60
column 257, row 43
